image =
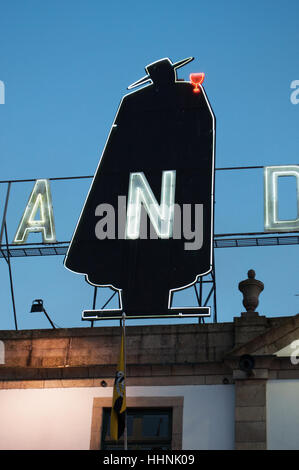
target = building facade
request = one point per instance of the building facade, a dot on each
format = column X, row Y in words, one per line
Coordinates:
column 198, row 386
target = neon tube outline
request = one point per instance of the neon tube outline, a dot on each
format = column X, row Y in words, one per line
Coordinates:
column 114, row 125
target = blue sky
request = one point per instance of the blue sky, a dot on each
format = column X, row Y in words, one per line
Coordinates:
column 66, row 66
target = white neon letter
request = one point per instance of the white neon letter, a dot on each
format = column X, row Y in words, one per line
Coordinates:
column 161, row 215
column 40, row 199
column 271, row 221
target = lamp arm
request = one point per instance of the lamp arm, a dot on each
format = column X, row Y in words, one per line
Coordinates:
column 52, row 324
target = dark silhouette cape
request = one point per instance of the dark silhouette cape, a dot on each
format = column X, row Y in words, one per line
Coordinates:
column 162, row 126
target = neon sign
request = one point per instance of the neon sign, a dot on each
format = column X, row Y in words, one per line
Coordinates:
column 162, row 131
column 196, row 79
column 160, row 216
column 271, row 220
column 139, row 192
column 40, row 200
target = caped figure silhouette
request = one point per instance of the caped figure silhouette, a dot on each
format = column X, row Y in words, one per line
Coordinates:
column 162, row 139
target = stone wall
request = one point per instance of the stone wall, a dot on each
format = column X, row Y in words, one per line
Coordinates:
column 74, row 347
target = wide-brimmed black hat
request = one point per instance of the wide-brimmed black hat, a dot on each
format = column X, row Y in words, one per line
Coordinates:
column 162, row 63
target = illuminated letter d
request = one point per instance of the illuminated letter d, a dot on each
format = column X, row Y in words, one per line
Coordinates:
column 271, row 175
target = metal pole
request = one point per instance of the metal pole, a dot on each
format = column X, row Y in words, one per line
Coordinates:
column 94, row 302
column 215, row 299
column 200, row 319
column 125, row 372
column 197, row 296
column 10, row 279
column 50, row 321
column 4, row 212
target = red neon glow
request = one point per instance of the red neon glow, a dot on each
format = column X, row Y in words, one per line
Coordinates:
column 196, row 80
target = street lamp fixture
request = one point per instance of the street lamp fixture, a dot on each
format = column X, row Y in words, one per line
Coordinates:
column 38, row 306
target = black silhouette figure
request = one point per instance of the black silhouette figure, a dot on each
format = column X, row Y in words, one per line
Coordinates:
column 162, row 126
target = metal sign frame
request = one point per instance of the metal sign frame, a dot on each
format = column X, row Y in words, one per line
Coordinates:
column 225, row 240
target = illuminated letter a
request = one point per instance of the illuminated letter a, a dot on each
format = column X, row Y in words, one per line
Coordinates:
column 40, row 199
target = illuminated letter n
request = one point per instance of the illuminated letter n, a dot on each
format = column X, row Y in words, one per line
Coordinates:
column 161, row 216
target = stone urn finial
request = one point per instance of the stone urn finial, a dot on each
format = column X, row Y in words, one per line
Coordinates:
column 251, row 289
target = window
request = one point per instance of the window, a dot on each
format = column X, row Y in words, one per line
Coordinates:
column 146, row 428
column 153, row 422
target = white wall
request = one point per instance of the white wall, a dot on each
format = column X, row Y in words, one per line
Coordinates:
column 61, row 418
column 283, row 414
column 209, row 413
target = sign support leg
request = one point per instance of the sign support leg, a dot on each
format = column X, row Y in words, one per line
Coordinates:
column 125, row 372
column 10, row 279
